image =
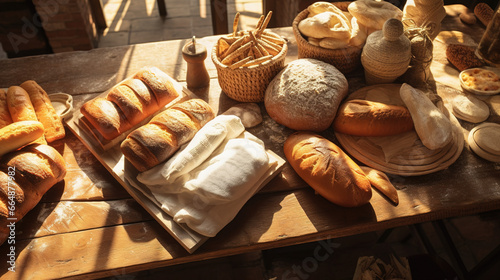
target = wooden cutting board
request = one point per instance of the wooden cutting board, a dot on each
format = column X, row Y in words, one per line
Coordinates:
column 109, row 155
column 402, row 154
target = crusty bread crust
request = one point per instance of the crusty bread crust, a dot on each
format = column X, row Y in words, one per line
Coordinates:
column 367, row 118
column 327, row 169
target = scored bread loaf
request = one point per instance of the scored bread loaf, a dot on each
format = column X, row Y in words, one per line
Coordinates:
column 5, row 118
column 21, row 108
column 18, row 134
column 367, row 118
column 159, row 82
column 25, row 176
column 19, row 104
column 327, row 169
column 159, row 139
column 133, row 100
column 106, row 117
column 45, row 112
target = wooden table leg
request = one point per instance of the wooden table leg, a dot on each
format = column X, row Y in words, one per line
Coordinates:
column 219, row 16
column 162, row 7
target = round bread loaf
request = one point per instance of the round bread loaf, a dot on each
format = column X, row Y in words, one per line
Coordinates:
column 327, row 169
column 305, row 95
column 368, row 118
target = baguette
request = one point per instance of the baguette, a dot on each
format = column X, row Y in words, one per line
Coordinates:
column 156, row 141
column 367, row 118
column 25, row 176
column 45, row 112
column 327, row 169
column 19, row 134
column 5, row 118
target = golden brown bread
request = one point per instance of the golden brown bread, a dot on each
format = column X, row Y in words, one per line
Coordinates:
column 159, row 82
column 327, row 169
column 129, row 103
column 144, row 94
column 156, row 141
column 381, row 182
column 34, row 169
column 5, row 118
column 19, row 104
column 367, row 118
column 136, row 99
column 106, row 117
column 45, row 112
column 19, row 134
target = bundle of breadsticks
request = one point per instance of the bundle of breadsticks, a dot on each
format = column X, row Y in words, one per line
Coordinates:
column 249, row 48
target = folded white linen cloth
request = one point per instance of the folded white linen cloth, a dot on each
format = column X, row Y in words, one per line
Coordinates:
column 206, row 183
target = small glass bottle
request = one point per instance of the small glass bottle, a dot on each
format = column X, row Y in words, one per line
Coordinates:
column 195, row 54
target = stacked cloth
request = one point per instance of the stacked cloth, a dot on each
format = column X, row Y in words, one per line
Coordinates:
column 207, row 182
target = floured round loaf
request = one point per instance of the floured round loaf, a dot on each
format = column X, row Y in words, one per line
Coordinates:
column 305, row 95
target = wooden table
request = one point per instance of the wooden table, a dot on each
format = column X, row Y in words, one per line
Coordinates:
column 88, row 226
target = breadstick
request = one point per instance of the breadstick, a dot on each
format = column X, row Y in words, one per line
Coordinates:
column 256, row 51
column 261, row 49
column 276, row 46
column 259, row 23
column 258, row 60
column 235, row 23
column 240, row 63
column 233, row 47
column 268, row 47
column 264, row 24
column 236, row 53
column 273, row 39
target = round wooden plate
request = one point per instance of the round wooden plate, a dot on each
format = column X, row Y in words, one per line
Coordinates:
column 413, row 158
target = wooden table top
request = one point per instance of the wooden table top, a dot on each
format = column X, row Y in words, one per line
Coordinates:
column 88, row 226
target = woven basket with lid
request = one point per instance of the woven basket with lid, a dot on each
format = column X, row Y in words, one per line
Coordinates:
column 346, row 59
column 248, row 84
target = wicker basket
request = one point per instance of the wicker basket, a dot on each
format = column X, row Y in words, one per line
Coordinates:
column 248, row 84
column 346, row 60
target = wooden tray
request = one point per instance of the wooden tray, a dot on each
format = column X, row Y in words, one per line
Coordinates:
column 109, row 155
column 402, row 154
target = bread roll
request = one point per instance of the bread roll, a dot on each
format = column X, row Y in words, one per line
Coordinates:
column 145, row 95
column 305, row 95
column 159, row 82
column 5, row 118
column 327, row 169
column 156, row 141
column 19, row 104
column 18, row 134
column 35, row 169
column 367, row 118
column 45, row 112
column 381, row 182
column 106, row 117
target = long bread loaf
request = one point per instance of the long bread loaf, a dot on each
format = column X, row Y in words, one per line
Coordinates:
column 156, row 141
column 130, row 102
column 25, row 176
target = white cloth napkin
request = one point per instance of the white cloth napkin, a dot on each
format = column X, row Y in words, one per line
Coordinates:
column 206, row 183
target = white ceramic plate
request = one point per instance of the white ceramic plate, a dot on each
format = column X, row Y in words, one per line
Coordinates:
column 494, row 71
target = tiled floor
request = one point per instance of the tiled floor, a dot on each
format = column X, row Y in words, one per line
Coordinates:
column 133, row 22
